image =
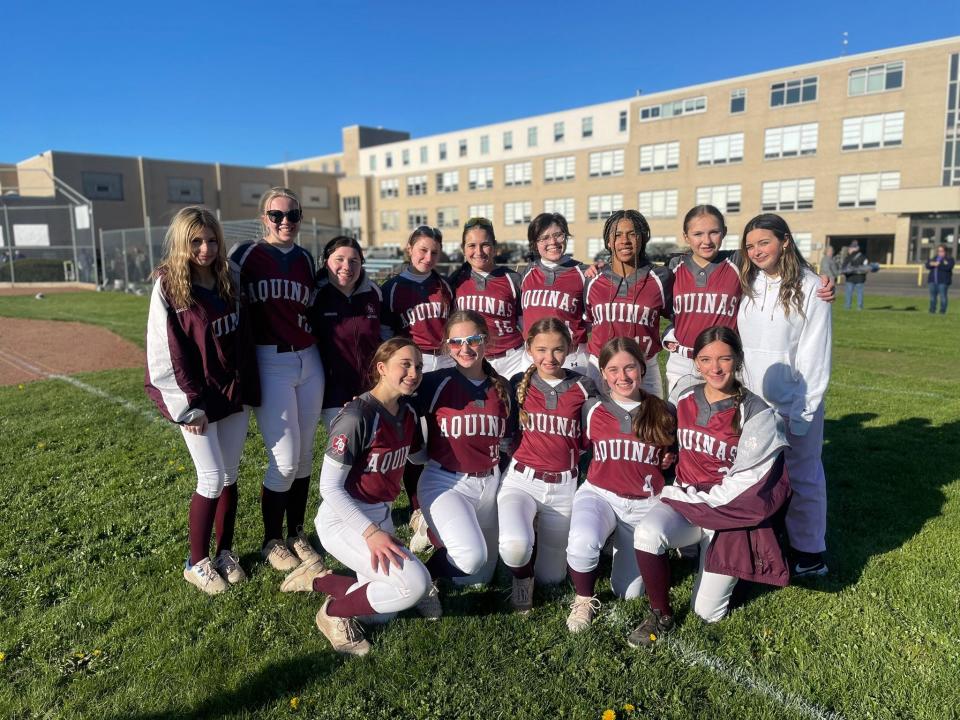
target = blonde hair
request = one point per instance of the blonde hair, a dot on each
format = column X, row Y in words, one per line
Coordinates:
column 540, row 327
column 269, row 196
column 174, row 268
column 471, row 316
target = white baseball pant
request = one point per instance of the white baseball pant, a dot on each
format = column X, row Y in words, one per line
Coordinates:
column 681, row 373
column 436, row 362
column 512, row 362
column 652, row 380
column 216, row 453
column 807, row 513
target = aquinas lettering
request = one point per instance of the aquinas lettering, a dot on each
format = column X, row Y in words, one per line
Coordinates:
column 696, row 441
column 471, row 425
column 552, row 425
column 626, row 450
column 485, row 305
column 550, row 298
column 278, row 289
column 423, row 311
column 226, row 324
column 388, row 461
column 624, row 313
column 721, row 304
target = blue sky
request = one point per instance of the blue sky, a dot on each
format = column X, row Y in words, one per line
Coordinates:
column 254, row 83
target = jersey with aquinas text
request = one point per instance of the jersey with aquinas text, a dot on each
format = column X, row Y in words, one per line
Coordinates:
column 555, row 292
column 279, row 288
column 622, row 463
column 466, row 423
column 629, row 307
column 496, row 297
column 703, row 297
column 417, row 309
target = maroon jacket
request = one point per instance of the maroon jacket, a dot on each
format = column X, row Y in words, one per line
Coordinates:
column 201, row 358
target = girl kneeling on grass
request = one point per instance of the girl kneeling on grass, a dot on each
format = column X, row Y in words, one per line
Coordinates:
column 202, row 374
column 729, row 492
column 361, row 477
column 631, row 432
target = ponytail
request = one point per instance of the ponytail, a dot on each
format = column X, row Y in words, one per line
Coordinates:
column 522, row 392
column 736, row 425
column 498, row 383
column 654, row 423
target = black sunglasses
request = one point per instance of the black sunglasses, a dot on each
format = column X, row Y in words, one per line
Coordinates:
column 277, row 216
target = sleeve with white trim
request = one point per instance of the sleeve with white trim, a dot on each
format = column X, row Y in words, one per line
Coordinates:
column 346, row 443
column 813, row 359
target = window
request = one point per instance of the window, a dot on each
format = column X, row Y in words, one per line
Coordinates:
column 787, row 195
column 623, row 121
column 793, row 92
column 442, row 149
column 600, row 207
column 675, row 108
column 531, row 137
column 559, row 168
column 484, row 144
column 448, row 217
column 720, row 149
column 423, row 154
column 405, row 157
column 250, row 193
column 185, row 190
column 662, row 244
column 508, row 140
column 390, row 188
column 662, row 156
column 594, row 247
column 790, row 141
column 315, row 197
column 388, row 160
column 558, row 131
column 462, row 148
column 109, row 186
column 804, row 242
column 517, row 213
column 417, row 185
column 373, row 163
column 724, row 197
column 861, row 190
column 608, row 162
column 738, row 101
column 875, row 79
column 336, row 166
column 586, row 127
column 518, row 174
column 873, row 131
column 951, row 142
column 484, row 211
column 480, row 178
column 564, row 206
column 389, row 220
column 416, row 218
column 351, row 203
column 657, row 203
column 448, row 181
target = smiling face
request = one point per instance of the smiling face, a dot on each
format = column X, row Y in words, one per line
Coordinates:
column 623, row 374
column 548, row 350
column 552, row 243
column 344, row 267
column 764, row 250
column 479, row 249
column 626, row 242
column 402, row 372
column 204, row 248
column 704, row 235
column 284, row 232
column 465, row 343
column 717, row 362
column 424, row 254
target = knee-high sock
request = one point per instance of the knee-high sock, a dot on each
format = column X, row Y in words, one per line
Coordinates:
column 352, row 604
column 411, row 475
column 297, row 505
column 335, row 585
column 200, row 524
column 583, row 582
column 226, row 518
column 655, row 571
column 272, row 504
column 439, row 565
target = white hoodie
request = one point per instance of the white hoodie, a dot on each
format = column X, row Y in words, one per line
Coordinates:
column 786, row 357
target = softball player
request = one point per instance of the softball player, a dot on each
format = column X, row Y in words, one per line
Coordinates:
column 278, row 279
column 630, row 431
column 552, row 286
column 202, row 375
column 467, row 408
column 786, row 335
column 536, row 494
column 627, row 297
column 730, row 488
column 346, row 320
column 494, row 293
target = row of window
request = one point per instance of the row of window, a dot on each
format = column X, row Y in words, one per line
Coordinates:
column 853, row 191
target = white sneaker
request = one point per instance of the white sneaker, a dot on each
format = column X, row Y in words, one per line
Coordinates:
column 203, row 576
column 429, row 605
column 521, row 597
column 582, row 611
column 343, row 633
column 228, row 565
column 300, row 546
column 301, row 579
column 419, row 540
column 276, row 553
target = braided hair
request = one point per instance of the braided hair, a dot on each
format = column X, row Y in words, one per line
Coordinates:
column 540, row 327
column 640, row 226
column 471, row 316
column 731, row 339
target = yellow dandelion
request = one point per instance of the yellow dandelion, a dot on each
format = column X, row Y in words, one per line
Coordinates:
column 3, row 655
column 19, row 387
column 41, row 445
column 294, row 703
column 609, row 714
column 169, row 462
column 653, row 637
column 628, row 707
column 97, row 653
column 181, row 468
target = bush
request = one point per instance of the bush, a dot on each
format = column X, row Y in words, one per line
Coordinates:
column 33, row 270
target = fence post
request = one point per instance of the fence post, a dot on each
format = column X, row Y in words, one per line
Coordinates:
column 126, row 272
column 103, row 258
column 8, row 240
column 73, row 241
column 149, row 237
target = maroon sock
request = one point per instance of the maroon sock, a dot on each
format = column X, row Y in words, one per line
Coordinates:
column 439, row 565
column 655, row 570
column 352, row 604
column 297, row 505
column 226, row 517
column 200, row 524
column 272, row 505
column 411, row 475
column 335, row 585
column 524, row 571
column 583, row 582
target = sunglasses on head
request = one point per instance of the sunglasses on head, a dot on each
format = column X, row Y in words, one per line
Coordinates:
column 277, row 216
column 477, row 221
column 474, row 341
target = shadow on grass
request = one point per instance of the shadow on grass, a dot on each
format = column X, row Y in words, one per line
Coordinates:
column 908, row 308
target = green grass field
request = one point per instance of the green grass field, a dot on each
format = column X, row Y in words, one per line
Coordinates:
column 97, row 622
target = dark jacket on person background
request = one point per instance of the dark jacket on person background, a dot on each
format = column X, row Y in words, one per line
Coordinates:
column 855, row 267
column 941, row 274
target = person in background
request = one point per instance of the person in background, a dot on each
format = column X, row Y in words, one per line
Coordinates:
column 939, row 278
column 855, row 268
column 829, row 265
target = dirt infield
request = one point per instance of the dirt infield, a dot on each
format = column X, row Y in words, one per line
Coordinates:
column 35, row 349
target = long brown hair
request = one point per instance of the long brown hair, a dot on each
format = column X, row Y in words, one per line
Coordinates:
column 654, row 424
column 544, row 325
column 790, row 267
column 471, row 316
column 174, row 268
column 383, row 354
column 731, row 339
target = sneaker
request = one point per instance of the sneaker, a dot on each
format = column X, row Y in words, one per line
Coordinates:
column 583, row 610
column 521, row 598
column 228, row 565
column 276, row 553
column 429, row 605
column 344, row 634
column 300, row 546
column 205, row 577
column 301, row 579
column 653, row 627
column 419, row 540
column 807, row 564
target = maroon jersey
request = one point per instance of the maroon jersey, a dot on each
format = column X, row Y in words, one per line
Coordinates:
column 417, row 309
column 628, row 307
column 555, row 292
column 466, row 423
column 702, row 298
column 348, row 327
column 622, row 463
column 707, row 443
column 375, row 444
column 497, row 298
column 199, row 358
column 279, row 288
column 550, row 440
